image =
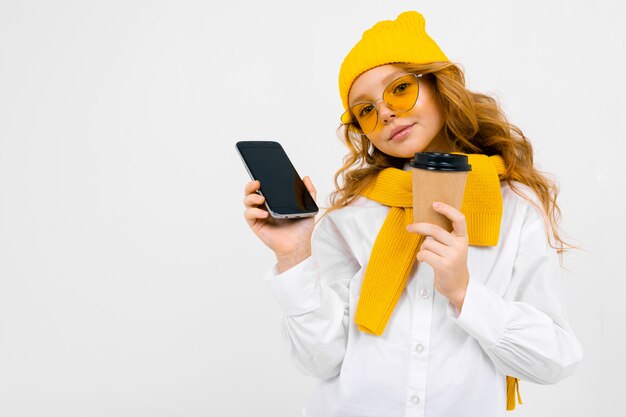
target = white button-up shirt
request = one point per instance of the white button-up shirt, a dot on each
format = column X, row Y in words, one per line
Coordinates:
column 430, row 360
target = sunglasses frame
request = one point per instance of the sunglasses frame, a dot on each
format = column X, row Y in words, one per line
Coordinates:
column 353, row 124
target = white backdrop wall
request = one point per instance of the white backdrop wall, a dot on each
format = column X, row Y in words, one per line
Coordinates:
column 129, row 281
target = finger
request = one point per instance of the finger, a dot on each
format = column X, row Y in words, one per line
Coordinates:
column 309, row 186
column 251, row 187
column 253, row 200
column 433, row 246
column 436, row 232
column 459, row 227
column 252, row 214
column 429, row 257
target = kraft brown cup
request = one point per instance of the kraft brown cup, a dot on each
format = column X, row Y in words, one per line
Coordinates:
column 437, row 177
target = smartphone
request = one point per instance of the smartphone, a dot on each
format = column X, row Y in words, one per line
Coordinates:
column 286, row 196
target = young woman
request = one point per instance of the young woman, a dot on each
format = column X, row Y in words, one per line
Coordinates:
column 409, row 319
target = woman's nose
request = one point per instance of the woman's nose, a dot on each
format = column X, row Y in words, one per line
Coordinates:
column 385, row 112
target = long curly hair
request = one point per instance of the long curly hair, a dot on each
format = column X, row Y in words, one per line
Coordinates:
column 473, row 123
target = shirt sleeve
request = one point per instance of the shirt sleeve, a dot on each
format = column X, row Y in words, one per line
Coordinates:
column 525, row 332
column 313, row 296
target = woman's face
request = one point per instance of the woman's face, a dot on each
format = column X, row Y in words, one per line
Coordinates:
column 401, row 134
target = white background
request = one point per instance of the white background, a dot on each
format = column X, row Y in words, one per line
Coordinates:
column 129, row 281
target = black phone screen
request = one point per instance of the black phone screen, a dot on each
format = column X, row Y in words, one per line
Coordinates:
column 284, row 191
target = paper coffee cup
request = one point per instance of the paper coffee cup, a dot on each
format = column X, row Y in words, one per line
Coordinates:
column 437, row 177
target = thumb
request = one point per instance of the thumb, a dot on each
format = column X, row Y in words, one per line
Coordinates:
column 309, row 186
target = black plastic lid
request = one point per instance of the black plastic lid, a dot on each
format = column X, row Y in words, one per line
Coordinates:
column 437, row 161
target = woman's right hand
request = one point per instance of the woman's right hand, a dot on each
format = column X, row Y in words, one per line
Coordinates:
column 290, row 239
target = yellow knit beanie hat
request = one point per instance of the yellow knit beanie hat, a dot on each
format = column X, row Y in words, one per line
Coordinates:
column 390, row 41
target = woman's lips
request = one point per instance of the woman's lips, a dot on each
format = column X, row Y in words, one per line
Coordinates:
column 402, row 133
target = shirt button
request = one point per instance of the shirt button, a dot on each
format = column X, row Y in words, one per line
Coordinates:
column 424, row 293
column 419, row 348
column 415, row 399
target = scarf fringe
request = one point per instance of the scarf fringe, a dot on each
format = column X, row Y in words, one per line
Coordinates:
column 512, row 390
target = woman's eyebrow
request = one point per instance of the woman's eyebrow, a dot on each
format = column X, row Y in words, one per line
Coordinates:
column 386, row 80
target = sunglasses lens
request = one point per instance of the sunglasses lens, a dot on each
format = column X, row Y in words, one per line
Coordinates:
column 366, row 116
column 401, row 94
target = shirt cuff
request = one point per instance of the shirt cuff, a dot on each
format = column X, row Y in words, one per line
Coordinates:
column 296, row 290
column 483, row 315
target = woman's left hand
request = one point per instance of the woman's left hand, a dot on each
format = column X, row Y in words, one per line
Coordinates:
column 446, row 253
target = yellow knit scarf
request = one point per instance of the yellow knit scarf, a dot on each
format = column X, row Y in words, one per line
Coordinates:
column 395, row 249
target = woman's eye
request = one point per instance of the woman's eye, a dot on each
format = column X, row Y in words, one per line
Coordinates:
column 365, row 110
column 400, row 88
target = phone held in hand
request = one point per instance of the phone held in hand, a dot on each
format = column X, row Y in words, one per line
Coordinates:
column 286, row 196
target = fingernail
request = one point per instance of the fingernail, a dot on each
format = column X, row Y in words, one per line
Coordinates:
column 436, row 205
